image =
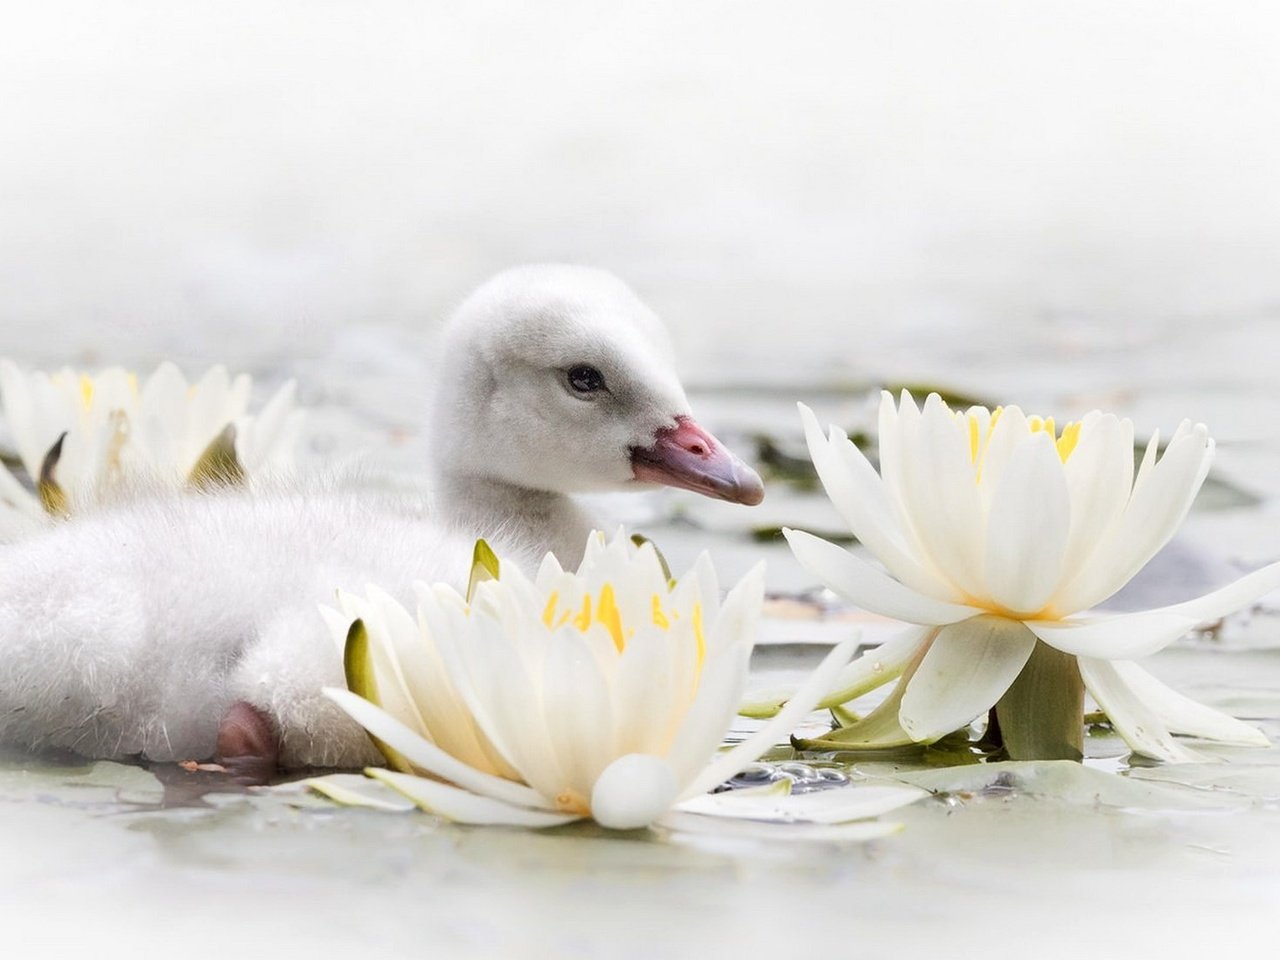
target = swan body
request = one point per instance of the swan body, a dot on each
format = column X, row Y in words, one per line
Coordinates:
column 132, row 632
column 156, row 627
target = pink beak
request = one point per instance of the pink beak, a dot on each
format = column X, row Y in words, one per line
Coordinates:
column 688, row 457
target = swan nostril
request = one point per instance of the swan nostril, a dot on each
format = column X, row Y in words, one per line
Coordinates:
column 698, row 450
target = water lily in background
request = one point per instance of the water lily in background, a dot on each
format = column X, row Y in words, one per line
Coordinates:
column 602, row 693
column 84, row 440
column 998, row 533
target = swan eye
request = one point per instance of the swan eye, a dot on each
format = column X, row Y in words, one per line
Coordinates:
column 585, row 379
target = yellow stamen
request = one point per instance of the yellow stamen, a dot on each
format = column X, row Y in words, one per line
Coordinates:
column 86, row 391
column 607, row 611
column 975, row 438
column 1067, row 442
column 583, row 620
column 549, row 614
column 659, row 617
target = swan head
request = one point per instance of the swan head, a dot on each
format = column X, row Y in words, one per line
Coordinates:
column 558, row 378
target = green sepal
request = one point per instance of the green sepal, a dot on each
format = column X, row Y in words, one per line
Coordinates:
column 357, row 664
column 1042, row 714
column 640, row 540
column 52, row 497
column 218, row 466
column 843, row 715
column 484, row 566
column 878, row 730
column 764, row 710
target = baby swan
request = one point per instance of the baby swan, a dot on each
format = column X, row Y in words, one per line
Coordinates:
column 559, row 380
column 186, row 627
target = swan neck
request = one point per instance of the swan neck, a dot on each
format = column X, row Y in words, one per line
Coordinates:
column 537, row 519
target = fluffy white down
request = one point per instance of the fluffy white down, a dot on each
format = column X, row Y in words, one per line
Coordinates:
column 112, row 648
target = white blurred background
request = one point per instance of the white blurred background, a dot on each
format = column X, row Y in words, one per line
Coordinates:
column 1065, row 203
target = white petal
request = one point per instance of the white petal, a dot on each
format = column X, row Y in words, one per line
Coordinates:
column 1027, row 528
column 840, row 805
column 967, row 669
column 1100, row 478
column 750, row 749
column 1162, row 495
column 633, row 792
column 460, row 806
column 1132, row 719
column 161, row 420
column 427, row 756
column 1132, row 635
column 700, row 581
column 643, row 690
column 577, row 711
column 1182, row 714
column 498, row 686
column 208, row 410
column 1122, row 637
column 858, row 493
column 1231, row 598
column 1010, row 431
column 264, row 442
column 711, row 713
column 941, row 496
column 739, row 617
column 889, row 442
column 872, row 669
column 357, row 790
column 866, row 586
column 876, row 667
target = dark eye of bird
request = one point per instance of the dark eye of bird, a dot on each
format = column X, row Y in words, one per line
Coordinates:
column 585, row 379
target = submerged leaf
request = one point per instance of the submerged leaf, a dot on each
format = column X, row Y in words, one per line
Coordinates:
column 218, row 466
column 1041, row 715
column 484, row 566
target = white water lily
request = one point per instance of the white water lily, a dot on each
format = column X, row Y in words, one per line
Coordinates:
column 606, row 691
column 84, row 439
column 392, row 659
column 998, row 534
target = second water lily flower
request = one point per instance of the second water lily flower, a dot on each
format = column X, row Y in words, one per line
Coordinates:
column 84, row 440
column 998, row 533
column 600, row 693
